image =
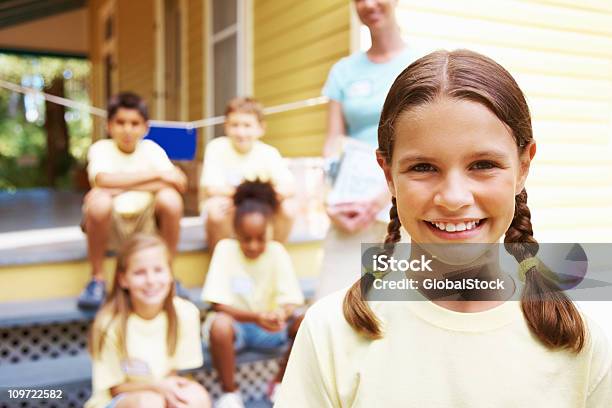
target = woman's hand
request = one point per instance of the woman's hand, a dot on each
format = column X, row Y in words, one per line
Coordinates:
column 354, row 216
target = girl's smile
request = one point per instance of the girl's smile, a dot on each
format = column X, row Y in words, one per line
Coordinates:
column 457, row 229
column 148, row 279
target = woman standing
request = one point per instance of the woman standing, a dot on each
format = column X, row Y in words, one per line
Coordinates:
column 357, row 86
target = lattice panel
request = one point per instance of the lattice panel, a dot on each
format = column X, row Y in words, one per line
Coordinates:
column 252, row 379
column 42, row 342
column 20, row 345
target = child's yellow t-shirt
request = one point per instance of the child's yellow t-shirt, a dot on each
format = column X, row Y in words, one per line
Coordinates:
column 257, row 285
column 433, row 357
column 224, row 166
column 105, row 157
column 146, row 347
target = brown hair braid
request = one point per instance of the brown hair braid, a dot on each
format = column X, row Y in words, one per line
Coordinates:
column 467, row 75
column 550, row 315
column 356, row 311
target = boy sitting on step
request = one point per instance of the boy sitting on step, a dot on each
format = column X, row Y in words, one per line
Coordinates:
column 135, row 188
column 231, row 159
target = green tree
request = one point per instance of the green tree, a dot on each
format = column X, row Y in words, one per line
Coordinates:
column 23, row 146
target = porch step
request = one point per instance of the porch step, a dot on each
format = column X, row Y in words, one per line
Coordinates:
column 65, row 310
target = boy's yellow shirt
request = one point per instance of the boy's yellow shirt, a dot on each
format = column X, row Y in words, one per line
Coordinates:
column 105, row 157
column 225, row 166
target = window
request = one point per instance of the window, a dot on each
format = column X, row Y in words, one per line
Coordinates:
column 227, row 55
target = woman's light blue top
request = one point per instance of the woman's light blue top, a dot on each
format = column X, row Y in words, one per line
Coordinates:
column 361, row 86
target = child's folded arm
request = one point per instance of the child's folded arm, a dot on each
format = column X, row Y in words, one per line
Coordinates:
column 142, row 180
column 125, row 180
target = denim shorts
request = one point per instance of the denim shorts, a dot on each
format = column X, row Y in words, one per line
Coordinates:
column 251, row 336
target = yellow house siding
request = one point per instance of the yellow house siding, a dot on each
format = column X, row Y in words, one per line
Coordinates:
column 95, row 57
column 196, row 66
column 136, row 48
column 195, row 51
column 295, row 45
column 560, row 52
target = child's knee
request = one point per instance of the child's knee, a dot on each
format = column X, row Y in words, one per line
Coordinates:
column 151, row 399
column 288, row 209
column 142, row 399
column 222, row 327
column 98, row 206
column 196, row 395
column 169, row 201
column 218, row 212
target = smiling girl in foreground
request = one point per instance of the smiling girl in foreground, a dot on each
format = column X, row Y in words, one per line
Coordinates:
column 144, row 334
column 455, row 143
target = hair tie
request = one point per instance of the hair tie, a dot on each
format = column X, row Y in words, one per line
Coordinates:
column 525, row 265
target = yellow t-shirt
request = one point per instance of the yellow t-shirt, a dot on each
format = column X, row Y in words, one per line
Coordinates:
column 224, row 166
column 146, row 347
column 257, row 285
column 105, row 157
column 434, row 357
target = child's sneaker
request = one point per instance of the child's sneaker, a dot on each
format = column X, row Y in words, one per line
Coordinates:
column 93, row 295
column 230, row 400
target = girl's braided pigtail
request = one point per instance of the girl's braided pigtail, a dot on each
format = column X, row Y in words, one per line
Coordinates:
column 550, row 315
column 356, row 310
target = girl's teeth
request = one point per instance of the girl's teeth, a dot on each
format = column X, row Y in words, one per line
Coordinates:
column 461, row 226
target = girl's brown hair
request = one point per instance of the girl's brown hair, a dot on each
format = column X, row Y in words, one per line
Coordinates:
column 118, row 306
column 466, row 75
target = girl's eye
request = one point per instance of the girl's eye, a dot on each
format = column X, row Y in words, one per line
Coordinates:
column 484, row 165
column 422, row 167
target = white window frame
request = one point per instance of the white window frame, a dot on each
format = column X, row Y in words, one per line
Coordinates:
column 243, row 28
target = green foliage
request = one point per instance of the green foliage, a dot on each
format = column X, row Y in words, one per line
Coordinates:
column 23, row 143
